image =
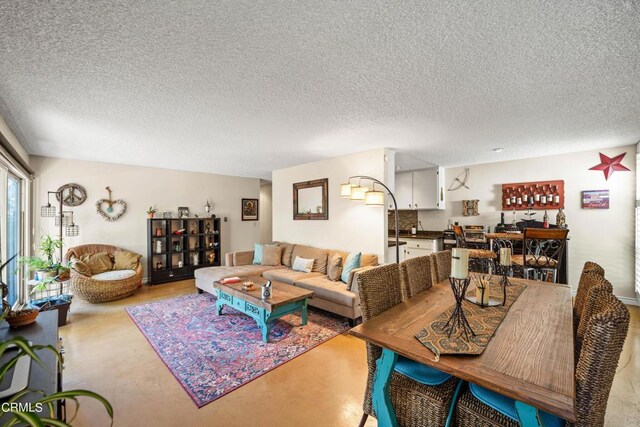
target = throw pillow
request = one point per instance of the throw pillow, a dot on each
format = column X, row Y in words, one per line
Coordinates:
column 98, row 262
column 81, row 268
column 125, row 260
column 271, row 255
column 257, row 254
column 303, row 264
column 287, row 250
column 334, row 269
column 351, row 263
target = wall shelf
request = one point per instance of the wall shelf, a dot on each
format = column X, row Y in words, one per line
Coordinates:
column 537, row 195
column 164, row 266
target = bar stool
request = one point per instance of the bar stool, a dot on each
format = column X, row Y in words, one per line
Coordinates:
column 482, row 260
column 542, row 253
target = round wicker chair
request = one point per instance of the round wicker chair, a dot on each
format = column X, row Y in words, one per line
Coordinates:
column 96, row 291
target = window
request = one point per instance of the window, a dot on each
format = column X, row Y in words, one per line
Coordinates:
column 14, row 238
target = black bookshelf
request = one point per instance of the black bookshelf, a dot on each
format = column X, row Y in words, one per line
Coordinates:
column 176, row 258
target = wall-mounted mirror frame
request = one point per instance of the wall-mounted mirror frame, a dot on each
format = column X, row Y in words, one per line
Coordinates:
column 305, row 205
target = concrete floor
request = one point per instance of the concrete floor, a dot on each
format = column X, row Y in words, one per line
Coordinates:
column 106, row 353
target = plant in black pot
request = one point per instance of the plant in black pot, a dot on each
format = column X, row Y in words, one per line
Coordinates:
column 49, row 275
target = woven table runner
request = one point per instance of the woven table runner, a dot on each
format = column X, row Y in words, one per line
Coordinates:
column 483, row 321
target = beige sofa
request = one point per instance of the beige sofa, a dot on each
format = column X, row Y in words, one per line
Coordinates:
column 336, row 297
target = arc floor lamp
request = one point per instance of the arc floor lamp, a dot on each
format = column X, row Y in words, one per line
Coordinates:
column 358, row 192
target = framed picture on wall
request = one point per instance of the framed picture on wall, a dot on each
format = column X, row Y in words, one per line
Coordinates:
column 249, row 209
column 595, row 199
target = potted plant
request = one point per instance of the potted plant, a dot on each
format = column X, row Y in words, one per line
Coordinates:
column 151, row 212
column 49, row 273
column 44, row 267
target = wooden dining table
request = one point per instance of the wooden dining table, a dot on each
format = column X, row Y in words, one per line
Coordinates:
column 530, row 357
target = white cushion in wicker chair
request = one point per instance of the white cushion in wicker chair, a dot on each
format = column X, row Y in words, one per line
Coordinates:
column 114, row 275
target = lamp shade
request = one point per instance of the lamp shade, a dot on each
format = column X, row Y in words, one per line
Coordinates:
column 345, row 190
column 47, row 211
column 72, row 230
column 358, row 192
column 65, row 220
column 374, row 198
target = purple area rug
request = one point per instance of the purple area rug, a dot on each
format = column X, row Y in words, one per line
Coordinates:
column 213, row 355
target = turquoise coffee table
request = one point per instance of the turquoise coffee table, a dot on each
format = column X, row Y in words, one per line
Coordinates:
column 285, row 299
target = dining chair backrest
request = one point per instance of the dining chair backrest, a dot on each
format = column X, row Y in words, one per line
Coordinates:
column 416, row 275
column 596, row 295
column 590, row 272
column 543, row 247
column 588, row 280
column 442, row 265
column 604, row 338
column 379, row 289
column 592, row 266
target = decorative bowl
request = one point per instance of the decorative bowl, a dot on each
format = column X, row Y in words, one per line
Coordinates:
column 22, row 317
column 247, row 286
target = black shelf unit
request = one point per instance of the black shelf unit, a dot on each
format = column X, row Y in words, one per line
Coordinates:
column 201, row 237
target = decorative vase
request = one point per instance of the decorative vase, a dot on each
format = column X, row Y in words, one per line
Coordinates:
column 151, row 215
column 561, row 219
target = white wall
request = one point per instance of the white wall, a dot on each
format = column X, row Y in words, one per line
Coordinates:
column 603, row 236
column 141, row 187
column 265, row 212
column 351, row 226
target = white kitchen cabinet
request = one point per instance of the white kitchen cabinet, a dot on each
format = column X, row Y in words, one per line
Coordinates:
column 420, row 247
column 415, row 252
column 391, row 254
column 404, row 190
column 422, row 189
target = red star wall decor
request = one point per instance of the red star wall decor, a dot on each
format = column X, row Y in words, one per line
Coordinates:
column 609, row 165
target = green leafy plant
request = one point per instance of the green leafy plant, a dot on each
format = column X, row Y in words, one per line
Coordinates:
column 21, row 417
column 15, row 415
column 151, row 210
column 48, row 245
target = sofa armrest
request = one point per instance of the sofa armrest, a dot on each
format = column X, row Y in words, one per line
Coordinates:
column 228, row 259
column 242, row 258
column 352, row 283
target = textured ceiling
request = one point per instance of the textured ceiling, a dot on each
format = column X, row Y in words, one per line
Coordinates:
column 246, row 87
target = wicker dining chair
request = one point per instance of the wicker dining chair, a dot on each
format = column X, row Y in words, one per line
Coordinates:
column 415, row 404
column 543, row 249
column 591, row 272
column 416, row 275
column 604, row 338
column 597, row 293
column 481, row 260
column 443, row 265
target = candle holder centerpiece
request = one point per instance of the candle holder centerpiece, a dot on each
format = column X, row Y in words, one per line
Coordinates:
column 505, row 269
column 482, row 282
column 459, row 281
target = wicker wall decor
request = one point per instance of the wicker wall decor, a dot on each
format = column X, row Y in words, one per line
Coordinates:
column 533, row 195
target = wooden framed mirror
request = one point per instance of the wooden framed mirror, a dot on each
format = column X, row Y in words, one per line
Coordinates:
column 311, row 199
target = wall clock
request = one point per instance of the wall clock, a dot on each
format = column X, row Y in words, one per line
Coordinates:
column 72, row 194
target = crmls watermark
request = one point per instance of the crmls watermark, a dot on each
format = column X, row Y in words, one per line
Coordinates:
column 21, row 407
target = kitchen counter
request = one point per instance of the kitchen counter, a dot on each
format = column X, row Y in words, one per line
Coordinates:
column 392, row 243
column 420, row 235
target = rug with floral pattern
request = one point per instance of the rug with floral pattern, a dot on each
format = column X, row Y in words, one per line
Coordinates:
column 212, row 355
